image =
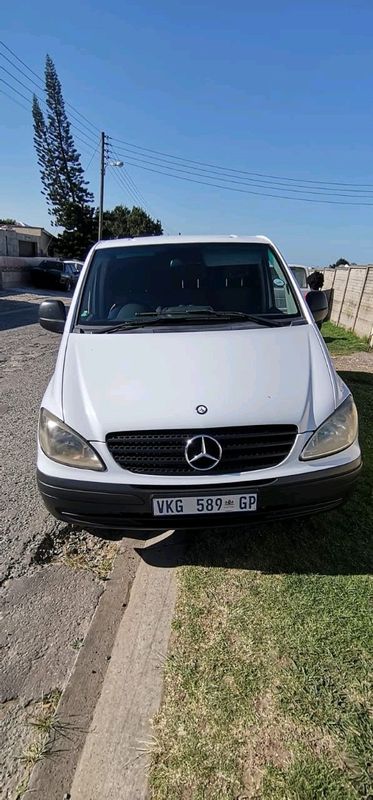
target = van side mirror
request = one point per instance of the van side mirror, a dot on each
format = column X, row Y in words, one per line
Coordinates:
column 318, row 304
column 52, row 315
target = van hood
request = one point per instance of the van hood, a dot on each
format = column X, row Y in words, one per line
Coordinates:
column 156, row 379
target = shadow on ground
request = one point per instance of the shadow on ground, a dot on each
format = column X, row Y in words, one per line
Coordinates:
column 334, row 543
column 17, row 313
column 331, row 339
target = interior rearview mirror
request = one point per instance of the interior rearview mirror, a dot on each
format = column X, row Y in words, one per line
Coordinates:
column 318, row 304
column 52, row 315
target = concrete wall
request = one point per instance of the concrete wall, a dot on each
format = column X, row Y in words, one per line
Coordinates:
column 14, row 272
column 352, row 298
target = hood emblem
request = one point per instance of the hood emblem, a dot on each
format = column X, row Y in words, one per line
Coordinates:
column 201, row 409
column 203, row 453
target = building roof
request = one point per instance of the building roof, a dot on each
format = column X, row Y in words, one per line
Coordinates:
column 22, row 227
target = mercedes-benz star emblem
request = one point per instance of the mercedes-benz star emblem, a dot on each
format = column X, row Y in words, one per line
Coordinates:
column 203, row 452
column 201, row 409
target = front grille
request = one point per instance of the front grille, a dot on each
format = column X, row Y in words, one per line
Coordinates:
column 163, row 452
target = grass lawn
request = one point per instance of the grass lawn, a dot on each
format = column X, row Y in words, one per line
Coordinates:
column 341, row 342
column 267, row 677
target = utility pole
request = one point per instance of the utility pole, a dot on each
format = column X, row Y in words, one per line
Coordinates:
column 102, row 180
column 104, row 155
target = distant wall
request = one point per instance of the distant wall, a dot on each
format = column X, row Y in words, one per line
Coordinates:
column 14, row 272
column 352, row 298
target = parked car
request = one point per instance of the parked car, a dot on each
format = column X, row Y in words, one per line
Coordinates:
column 75, row 265
column 73, row 270
column 184, row 396
column 53, row 273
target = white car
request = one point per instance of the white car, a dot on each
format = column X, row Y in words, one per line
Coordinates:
column 183, row 395
column 301, row 274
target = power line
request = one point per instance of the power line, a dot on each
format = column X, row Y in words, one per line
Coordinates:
column 91, row 158
column 236, row 179
column 241, row 182
column 139, row 198
column 90, row 142
column 239, row 171
column 41, row 81
column 194, row 171
column 249, row 191
column 140, row 195
column 133, row 189
column 116, row 177
column 87, row 144
column 14, row 100
column 120, row 179
column 15, row 90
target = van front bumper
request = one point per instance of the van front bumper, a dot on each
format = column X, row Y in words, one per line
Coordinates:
column 125, row 506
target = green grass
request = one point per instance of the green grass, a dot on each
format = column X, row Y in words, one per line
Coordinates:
column 268, row 675
column 44, row 725
column 342, row 342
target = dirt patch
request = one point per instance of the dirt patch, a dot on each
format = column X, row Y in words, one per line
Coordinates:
column 275, row 741
column 356, row 362
column 77, row 549
column 267, row 743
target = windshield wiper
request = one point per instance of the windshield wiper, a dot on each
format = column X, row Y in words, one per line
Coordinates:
column 259, row 318
column 208, row 313
column 149, row 318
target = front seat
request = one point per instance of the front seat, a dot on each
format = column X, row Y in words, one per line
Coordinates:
column 128, row 311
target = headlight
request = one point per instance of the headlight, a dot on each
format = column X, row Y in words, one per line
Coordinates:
column 335, row 434
column 62, row 444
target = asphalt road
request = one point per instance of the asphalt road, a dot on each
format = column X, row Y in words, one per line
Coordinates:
column 27, row 357
column 45, row 606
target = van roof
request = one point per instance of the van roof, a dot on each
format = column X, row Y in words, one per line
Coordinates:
column 149, row 240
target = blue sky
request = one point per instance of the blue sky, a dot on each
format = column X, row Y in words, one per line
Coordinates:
column 280, row 88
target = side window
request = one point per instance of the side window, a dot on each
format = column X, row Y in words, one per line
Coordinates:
column 283, row 297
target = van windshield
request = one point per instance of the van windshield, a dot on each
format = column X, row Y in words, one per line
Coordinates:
column 129, row 283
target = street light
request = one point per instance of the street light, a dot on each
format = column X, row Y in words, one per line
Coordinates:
column 102, row 182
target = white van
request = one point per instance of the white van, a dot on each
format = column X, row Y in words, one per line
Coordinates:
column 183, row 395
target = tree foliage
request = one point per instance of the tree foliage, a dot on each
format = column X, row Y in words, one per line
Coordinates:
column 124, row 222
column 69, row 201
column 342, row 262
column 8, row 221
column 119, row 223
column 62, row 174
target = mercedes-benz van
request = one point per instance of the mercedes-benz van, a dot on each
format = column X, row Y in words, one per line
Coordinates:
column 192, row 387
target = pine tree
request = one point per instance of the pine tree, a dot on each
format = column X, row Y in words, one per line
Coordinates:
column 68, row 198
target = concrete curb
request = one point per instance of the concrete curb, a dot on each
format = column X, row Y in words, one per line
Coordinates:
column 53, row 775
column 115, row 757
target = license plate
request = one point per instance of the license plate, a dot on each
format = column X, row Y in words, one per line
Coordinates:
column 214, row 504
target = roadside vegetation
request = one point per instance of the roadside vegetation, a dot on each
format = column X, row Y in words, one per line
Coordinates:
column 45, row 727
column 341, row 342
column 267, row 681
